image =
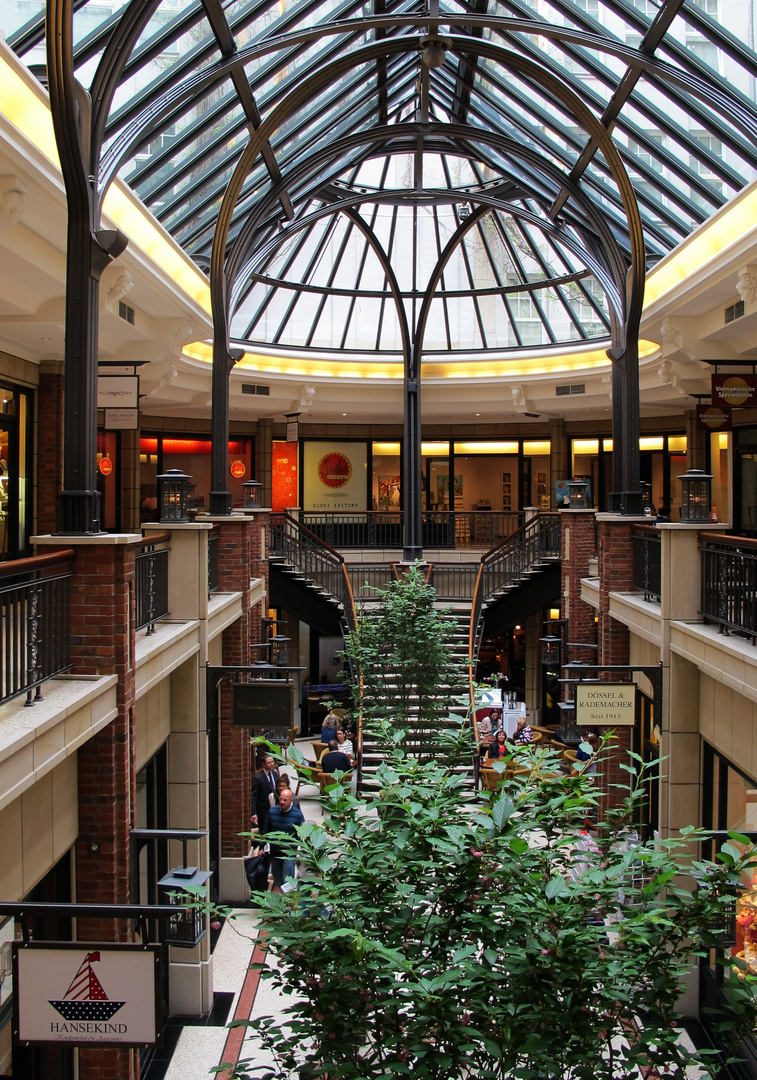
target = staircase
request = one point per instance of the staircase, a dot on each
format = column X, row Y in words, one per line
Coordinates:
column 440, row 711
column 519, row 574
column 522, row 565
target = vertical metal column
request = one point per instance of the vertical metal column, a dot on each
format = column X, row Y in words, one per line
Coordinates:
column 88, row 252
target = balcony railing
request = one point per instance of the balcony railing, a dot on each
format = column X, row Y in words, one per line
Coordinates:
column 647, row 561
column 35, row 638
column 151, row 574
column 452, row 529
column 213, row 543
column 729, row 582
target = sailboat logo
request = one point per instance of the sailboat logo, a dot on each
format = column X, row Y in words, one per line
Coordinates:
column 85, row 998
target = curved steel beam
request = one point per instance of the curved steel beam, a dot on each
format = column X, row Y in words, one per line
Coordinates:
column 611, row 276
column 150, row 118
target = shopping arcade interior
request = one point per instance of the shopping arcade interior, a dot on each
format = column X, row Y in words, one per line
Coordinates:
column 176, row 382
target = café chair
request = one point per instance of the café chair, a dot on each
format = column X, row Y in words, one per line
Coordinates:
column 328, row 780
column 319, row 749
column 490, row 778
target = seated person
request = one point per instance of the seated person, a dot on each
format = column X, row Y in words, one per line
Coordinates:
column 495, row 719
column 329, row 727
column 523, row 734
column 345, row 744
column 499, row 748
column 484, row 726
column 334, row 759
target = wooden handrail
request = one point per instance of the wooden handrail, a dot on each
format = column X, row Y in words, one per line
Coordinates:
column 728, row 540
column 36, row 562
column 155, row 538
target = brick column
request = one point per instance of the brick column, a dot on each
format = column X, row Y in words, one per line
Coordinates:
column 50, row 455
column 615, row 557
column 578, row 545
column 102, row 642
column 242, row 556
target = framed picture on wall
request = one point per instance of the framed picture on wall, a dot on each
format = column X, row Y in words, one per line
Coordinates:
column 505, row 477
column 541, row 478
column 505, row 489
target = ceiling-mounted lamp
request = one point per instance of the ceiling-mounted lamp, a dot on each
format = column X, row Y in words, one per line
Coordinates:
column 464, row 211
column 434, row 51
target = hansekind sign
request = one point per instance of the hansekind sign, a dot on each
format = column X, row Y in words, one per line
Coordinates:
column 108, row 995
column 605, row 704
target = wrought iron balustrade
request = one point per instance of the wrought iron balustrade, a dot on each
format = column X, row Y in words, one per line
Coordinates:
column 214, row 538
column 447, row 529
column 151, row 581
column 647, row 561
column 532, row 545
column 35, row 620
column 729, row 582
column 314, row 560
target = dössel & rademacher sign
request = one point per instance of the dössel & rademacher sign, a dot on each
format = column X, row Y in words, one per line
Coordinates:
column 605, row 704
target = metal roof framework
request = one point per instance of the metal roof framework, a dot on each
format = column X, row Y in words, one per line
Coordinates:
column 255, row 131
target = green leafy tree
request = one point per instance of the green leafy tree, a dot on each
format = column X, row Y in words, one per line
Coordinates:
column 460, row 934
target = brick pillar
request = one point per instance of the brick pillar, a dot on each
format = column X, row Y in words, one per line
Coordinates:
column 130, row 510
column 615, row 555
column 578, row 545
column 102, row 643
column 242, row 556
column 559, row 457
column 50, row 455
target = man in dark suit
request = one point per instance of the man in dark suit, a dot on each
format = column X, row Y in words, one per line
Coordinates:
column 263, row 785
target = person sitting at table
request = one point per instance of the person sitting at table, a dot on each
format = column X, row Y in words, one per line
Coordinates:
column 334, row 759
column 484, row 726
column 523, row 734
column 499, row 748
column 345, row 744
column 495, row 719
column 329, row 727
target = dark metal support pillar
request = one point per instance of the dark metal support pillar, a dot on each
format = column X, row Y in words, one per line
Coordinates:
column 223, row 362
column 88, row 252
column 412, row 482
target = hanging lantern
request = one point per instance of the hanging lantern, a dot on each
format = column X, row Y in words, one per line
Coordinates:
column 187, row 927
column 173, row 496
column 251, row 494
column 696, row 490
column 550, row 651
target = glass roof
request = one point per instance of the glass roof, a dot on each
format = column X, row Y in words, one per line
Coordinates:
column 384, row 179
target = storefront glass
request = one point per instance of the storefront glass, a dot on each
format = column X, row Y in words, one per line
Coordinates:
column 720, row 467
column 159, row 453
column 15, row 472
column 662, row 458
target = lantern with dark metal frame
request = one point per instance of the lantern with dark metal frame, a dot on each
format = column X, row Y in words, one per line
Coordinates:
column 188, row 927
column 173, row 496
column 251, row 493
column 578, row 495
column 696, row 491
column 551, row 649
column 280, row 650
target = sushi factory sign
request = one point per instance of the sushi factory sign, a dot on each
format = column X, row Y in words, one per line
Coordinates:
column 82, row 995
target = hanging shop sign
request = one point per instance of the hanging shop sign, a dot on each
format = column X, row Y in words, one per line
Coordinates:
column 119, row 391
column 264, row 704
column 121, row 419
column 237, row 469
column 335, row 476
column 714, row 417
column 285, row 475
column 87, row 994
column 293, row 427
column 105, row 465
column 734, row 390
column 605, row 704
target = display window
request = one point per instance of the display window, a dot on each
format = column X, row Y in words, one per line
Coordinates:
column 662, row 459
column 158, row 453
column 15, row 472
